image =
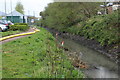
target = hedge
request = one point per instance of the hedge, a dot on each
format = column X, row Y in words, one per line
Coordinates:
column 19, row 27
column 20, row 24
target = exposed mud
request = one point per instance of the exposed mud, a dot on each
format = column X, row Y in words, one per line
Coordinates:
column 95, row 63
column 113, row 54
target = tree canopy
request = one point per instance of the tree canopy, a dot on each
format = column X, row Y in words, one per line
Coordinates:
column 19, row 7
column 67, row 14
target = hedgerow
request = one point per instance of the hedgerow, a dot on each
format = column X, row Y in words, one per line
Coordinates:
column 19, row 26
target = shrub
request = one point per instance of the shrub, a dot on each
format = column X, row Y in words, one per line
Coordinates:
column 103, row 29
column 21, row 24
column 19, row 27
column 73, row 30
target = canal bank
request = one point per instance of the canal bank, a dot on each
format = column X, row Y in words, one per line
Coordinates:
column 100, row 66
column 92, row 44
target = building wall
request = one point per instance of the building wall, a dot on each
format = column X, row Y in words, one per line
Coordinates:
column 15, row 19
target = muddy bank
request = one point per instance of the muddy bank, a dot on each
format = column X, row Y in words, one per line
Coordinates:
column 105, row 50
column 113, row 54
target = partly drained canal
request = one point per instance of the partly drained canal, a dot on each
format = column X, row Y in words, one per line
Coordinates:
column 99, row 66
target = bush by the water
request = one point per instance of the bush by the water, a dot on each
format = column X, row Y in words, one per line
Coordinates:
column 102, row 28
column 19, row 26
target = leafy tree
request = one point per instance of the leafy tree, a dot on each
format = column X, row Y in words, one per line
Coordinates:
column 19, row 7
column 66, row 14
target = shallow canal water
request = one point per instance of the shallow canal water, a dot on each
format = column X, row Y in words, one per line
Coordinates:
column 100, row 66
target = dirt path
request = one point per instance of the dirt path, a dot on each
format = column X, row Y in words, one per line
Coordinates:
column 14, row 38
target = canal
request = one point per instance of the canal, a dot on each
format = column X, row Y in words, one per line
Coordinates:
column 99, row 65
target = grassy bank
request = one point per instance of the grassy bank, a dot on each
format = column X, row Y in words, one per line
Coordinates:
column 36, row 56
column 9, row 33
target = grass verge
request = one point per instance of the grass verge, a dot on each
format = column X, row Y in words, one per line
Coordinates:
column 9, row 33
column 36, row 56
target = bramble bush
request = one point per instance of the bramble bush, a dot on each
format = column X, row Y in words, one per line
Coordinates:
column 103, row 28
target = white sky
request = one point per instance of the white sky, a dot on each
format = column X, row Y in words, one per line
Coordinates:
column 30, row 6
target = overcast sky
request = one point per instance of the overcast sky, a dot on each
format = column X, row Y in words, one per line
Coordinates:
column 30, row 6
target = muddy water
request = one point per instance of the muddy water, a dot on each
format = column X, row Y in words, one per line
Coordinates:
column 100, row 66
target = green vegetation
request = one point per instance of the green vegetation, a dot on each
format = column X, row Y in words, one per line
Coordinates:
column 36, row 56
column 7, row 33
column 19, row 26
column 81, row 19
column 16, row 28
column 102, row 28
column 19, row 7
column 63, row 15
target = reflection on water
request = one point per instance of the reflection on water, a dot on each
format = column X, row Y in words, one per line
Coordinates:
column 100, row 65
column 101, row 72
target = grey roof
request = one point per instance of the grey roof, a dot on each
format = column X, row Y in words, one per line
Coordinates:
column 2, row 13
column 15, row 13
